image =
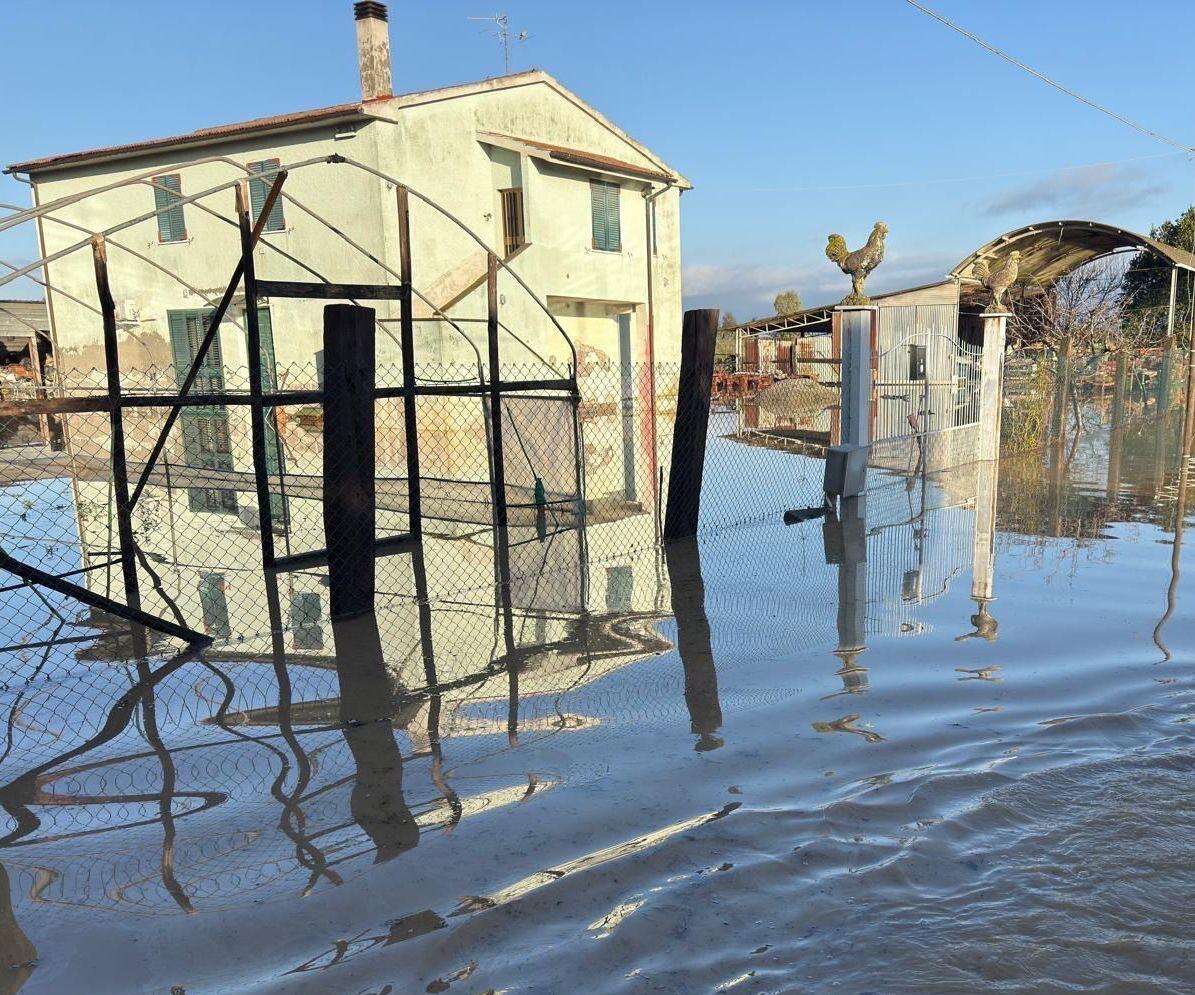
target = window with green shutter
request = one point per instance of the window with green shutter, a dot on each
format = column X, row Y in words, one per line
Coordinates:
column 207, row 441
column 215, row 605
column 259, row 187
column 168, row 190
column 607, row 227
column 305, row 620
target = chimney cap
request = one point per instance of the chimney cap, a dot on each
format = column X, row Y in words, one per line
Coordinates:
column 365, row 9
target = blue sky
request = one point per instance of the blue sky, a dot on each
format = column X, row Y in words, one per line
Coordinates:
column 792, row 119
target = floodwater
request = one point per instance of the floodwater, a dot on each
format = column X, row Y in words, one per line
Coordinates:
column 918, row 749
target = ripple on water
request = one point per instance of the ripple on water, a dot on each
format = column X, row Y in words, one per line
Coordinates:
column 1077, row 878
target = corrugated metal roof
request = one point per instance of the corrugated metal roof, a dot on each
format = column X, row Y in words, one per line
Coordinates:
column 1051, row 249
column 20, row 319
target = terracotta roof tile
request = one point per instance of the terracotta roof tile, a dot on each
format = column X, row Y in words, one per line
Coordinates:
column 260, row 124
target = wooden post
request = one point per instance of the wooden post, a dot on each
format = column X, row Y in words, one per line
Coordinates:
column 257, row 419
column 698, row 335
column 349, row 499
column 120, row 473
column 693, row 641
column 367, row 704
column 407, row 343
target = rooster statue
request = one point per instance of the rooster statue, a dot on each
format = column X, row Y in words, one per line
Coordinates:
column 999, row 279
column 858, row 264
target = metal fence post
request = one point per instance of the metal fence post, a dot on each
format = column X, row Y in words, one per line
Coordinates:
column 256, row 411
column 407, row 344
column 498, row 466
column 120, row 474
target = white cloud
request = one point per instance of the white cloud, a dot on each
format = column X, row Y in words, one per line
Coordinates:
column 1092, row 190
column 748, row 288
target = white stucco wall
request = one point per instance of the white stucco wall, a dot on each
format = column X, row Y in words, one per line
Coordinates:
column 436, row 149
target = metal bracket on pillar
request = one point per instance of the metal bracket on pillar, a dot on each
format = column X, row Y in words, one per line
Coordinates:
column 846, row 463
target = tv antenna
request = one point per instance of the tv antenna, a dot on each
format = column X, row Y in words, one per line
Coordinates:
column 501, row 31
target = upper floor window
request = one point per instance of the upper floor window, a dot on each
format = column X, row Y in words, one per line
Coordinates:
column 514, row 235
column 607, row 227
column 259, row 187
column 168, row 191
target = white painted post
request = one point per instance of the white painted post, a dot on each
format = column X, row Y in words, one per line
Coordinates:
column 857, row 323
column 846, row 463
column 991, row 385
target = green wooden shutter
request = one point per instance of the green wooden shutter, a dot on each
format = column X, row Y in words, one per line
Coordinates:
column 597, row 198
column 258, row 189
column 613, row 219
column 171, row 224
column 305, row 620
column 207, row 442
column 607, row 234
column 215, row 605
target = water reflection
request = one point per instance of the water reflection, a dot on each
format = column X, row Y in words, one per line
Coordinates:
column 198, row 783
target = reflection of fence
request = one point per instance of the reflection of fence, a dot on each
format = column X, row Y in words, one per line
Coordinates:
column 200, row 407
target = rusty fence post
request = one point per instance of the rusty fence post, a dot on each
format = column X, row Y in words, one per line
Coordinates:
column 120, row 473
column 698, row 334
column 257, row 415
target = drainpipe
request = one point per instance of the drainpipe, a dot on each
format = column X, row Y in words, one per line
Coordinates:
column 649, row 197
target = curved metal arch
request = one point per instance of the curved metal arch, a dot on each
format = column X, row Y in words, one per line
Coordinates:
column 1051, row 249
column 147, row 178
column 473, row 235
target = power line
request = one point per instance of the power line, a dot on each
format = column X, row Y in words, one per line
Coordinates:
column 1000, row 53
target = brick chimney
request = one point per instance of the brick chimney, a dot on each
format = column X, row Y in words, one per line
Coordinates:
column 373, row 49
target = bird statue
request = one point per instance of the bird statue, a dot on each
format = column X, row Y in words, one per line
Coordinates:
column 858, row 264
column 997, row 280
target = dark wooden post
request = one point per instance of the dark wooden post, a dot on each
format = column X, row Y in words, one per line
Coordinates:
column 367, row 706
column 693, row 641
column 120, row 473
column 692, row 420
column 349, row 500
column 256, row 411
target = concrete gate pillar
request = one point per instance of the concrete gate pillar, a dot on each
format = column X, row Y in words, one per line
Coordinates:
column 846, row 463
column 991, row 384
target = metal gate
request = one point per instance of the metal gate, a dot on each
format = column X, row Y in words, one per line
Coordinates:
column 926, row 379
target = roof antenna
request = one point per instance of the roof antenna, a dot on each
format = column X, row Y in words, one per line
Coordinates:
column 501, row 31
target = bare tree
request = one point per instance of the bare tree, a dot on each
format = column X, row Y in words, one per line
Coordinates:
column 1082, row 311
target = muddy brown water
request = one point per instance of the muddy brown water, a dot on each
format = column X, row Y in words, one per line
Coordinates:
column 795, row 775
